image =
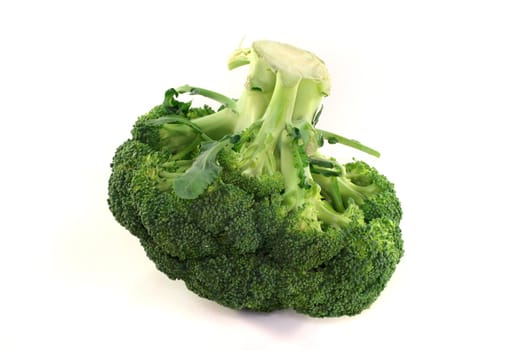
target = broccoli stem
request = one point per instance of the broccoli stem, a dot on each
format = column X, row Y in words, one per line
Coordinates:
column 251, row 107
column 287, row 100
column 218, row 124
column 260, row 155
column 276, row 114
column 307, row 102
column 295, row 171
column 337, row 199
column 193, row 90
column 182, row 153
column 352, row 192
column 328, row 215
column 340, row 191
column 334, row 138
column 178, row 133
column 292, row 196
column 279, row 111
column 273, row 122
column 236, row 116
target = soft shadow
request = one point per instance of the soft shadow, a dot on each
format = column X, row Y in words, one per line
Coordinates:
column 279, row 323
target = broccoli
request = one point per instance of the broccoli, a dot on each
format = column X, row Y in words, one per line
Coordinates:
column 240, row 203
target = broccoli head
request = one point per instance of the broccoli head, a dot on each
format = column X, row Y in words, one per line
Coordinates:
column 240, row 203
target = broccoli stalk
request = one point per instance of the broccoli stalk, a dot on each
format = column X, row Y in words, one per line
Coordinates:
column 276, row 115
column 259, row 154
column 296, row 93
column 341, row 191
column 284, row 136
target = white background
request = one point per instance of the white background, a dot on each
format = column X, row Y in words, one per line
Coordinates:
column 437, row 86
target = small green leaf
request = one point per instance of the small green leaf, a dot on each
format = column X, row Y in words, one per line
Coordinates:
column 174, row 106
column 202, row 172
column 168, row 97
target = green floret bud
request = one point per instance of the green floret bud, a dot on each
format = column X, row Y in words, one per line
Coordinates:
column 176, row 127
column 382, row 201
column 352, row 280
column 128, row 158
column 220, row 219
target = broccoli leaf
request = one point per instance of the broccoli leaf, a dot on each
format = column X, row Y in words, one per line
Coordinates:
column 174, row 106
column 202, row 172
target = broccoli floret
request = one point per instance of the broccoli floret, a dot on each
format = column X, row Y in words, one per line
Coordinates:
column 359, row 183
column 241, row 204
column 221, row 218
column 127, row 160
column 352, row 280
